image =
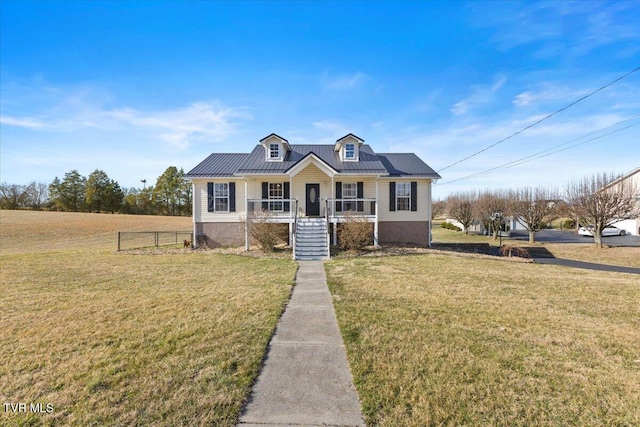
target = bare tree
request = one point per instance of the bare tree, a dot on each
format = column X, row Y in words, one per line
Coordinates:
column 438, row 208
column 534, row 208
column 601, row 200
column 460, row 208
column 490, row 208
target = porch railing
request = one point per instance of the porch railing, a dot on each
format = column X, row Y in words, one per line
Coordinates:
column 273, row 207
column 354, row 207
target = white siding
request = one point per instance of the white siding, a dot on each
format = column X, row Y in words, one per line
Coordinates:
column 424, row 196
column 200, row 202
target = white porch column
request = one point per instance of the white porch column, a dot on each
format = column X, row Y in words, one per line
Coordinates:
column 332, row 207
column 375, row 224
column 246, row 214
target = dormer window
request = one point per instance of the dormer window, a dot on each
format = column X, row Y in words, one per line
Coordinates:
column 348, row 148
column 274, row 151
column 275, row 148
column 350, row 151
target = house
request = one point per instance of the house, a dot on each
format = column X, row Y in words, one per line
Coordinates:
column 312, row 189
column 632, row 179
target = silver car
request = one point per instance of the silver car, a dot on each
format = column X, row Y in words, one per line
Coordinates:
column 609, row 230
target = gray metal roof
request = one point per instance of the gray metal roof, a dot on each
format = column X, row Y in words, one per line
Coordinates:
column 393, row 164
column 368, row 162
column 407, row 164
column 218, row 165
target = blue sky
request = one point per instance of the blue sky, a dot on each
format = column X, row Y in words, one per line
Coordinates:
column 134, row 87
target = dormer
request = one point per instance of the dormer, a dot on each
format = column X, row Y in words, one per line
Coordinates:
column 275, row 148
column 349, row 148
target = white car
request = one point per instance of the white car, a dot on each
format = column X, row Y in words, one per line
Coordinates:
column 609, row 230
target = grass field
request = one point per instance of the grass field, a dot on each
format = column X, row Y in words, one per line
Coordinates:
column 439, row 340
column 122, row 339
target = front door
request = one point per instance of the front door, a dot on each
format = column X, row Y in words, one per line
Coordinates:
column 313, row 199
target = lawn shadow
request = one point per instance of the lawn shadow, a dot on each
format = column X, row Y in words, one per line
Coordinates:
column 539, row 252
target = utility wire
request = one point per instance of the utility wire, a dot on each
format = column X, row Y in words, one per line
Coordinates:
column 548, row 151
column 541, row 120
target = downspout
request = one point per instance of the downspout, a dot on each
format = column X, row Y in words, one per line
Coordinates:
column 375, row 224
column 429, row 213
column 246, row 214
column 193, row 214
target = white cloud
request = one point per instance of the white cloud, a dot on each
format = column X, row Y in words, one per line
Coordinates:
column 180, row 127
column 71, row 110
column 344, row 82
column 22, row 122
column 481, row 95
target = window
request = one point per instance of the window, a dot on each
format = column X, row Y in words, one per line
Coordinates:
column 221, row 196
column 350, row 151
column 349, row 191
column 276, row 193
column 274, row 151
column 403, row 196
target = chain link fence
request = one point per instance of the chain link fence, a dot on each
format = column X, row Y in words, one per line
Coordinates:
column 153, row 239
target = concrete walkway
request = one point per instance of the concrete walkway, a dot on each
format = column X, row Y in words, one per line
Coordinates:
column 305, row 380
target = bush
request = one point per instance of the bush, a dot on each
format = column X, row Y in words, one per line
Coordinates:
column 267, row 233
column 506, row 250
column 450, row 226
column 354, row 234
column 569, row 224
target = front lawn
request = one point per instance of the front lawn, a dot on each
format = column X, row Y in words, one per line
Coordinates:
column 441, row 340
column 123, row 339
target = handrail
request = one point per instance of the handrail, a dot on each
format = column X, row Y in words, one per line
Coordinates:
column 326, row 218
column 326, row 213
column 294, row 229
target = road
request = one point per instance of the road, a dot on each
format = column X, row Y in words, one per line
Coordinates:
column 557, row 236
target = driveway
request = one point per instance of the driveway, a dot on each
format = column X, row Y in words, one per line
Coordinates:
column 557, row 236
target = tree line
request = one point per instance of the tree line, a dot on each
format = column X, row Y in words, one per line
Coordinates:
column 171, row 195
column 599, row 201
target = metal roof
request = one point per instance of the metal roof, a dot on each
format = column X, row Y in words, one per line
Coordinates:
column 407, row 164
column 368, row 163
column 392, row 164
column 218, row 165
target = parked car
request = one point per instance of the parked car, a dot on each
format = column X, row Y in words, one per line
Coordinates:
column 608, row 231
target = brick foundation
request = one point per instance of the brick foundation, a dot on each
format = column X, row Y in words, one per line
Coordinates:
column 413, row 232
column 219, row 234
column 228, row 234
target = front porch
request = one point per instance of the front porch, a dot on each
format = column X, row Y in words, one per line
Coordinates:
column 334, row 211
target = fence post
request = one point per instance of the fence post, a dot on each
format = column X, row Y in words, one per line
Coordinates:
column 118, row 241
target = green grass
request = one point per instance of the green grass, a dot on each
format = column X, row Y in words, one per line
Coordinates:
column 118, row 338
column 439, row 340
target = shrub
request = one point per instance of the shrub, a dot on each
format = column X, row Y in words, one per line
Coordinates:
column 267, row 233
column 354, row 234
column 450, row 226
column 569, row 224
column 506, row 250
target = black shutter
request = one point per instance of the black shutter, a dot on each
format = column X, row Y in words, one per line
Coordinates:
column 232, row 197
column 210, row 201
column 338, row 196
column 414, row 196
column 286, row 194
column 392, row 196
column 265, row 196
column 360, row 195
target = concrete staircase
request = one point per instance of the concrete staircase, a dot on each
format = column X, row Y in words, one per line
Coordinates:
column 311, row 239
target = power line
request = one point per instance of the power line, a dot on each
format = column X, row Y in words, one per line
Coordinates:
column 541, row 120
column 549, row 151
